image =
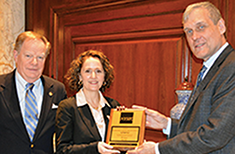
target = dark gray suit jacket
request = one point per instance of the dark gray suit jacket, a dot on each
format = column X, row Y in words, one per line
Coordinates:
column 208, row 122
column 14, row 138
column 76, row 130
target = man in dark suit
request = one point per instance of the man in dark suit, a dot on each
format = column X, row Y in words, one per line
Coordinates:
column 30, row 52
column 208, row 121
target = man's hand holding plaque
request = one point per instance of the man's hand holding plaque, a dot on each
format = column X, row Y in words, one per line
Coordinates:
column 126, row 128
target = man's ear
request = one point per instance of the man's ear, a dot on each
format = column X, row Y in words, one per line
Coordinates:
column 222, row 27
column 15, row 54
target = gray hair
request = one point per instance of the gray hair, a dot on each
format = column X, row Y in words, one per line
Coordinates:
column 214, row 13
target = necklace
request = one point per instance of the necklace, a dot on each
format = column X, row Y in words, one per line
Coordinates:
column 96, row 108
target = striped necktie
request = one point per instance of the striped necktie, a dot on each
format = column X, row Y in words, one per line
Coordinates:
column 31, row 111
column 200, row 75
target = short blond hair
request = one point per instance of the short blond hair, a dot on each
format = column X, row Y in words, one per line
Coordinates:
column 31, row 35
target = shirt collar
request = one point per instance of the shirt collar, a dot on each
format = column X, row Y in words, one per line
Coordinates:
column 22, row 81
column 81, row 99
column 213, row 58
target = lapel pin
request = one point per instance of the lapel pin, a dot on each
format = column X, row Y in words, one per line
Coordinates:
column 50, row 93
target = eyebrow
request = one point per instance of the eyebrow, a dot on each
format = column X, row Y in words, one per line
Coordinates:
column 199, row 23
column 185, row 29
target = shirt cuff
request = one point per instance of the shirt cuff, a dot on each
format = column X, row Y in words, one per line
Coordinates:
column 167, row 131
column 157, row 149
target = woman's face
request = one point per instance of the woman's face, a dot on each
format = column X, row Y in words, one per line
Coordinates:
column 92, row 74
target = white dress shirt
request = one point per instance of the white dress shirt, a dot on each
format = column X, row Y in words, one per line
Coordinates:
column 97, row 113
column 21, row 91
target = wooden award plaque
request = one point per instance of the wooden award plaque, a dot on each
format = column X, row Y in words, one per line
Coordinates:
column 126, row 129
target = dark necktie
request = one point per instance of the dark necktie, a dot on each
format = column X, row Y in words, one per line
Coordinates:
column 200, row 75
column 31, row 110
column 199, row 79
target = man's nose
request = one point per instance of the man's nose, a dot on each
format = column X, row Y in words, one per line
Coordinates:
column 195, row 35
column 34, row 61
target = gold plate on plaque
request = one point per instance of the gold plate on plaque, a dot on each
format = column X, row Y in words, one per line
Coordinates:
column 126, row 129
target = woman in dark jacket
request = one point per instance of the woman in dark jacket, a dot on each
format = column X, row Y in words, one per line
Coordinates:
column 82, row 120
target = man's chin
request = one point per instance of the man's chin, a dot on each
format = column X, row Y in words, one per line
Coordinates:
column 33, row 78
column 199, row 54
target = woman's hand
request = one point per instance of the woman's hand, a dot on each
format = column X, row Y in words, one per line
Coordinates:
column 120, row 108
column 104, row 148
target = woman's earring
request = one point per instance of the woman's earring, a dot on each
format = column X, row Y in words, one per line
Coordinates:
column 104, row 83
column 80, row 82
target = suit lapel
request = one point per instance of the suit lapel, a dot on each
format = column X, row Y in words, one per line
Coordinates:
column 89, row 121
column 46, row 105
column 206, row 80
column 106, row 113
column 11, row 101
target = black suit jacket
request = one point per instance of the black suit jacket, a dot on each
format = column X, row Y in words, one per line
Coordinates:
column 14, row 138
column 208, row 122
column 76, row 131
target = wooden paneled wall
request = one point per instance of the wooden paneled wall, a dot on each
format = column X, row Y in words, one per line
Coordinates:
column 142, row 38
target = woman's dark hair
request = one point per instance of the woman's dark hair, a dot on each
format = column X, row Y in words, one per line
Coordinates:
column 72, row 75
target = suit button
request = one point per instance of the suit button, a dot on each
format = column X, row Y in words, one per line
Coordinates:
column 32, row 145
